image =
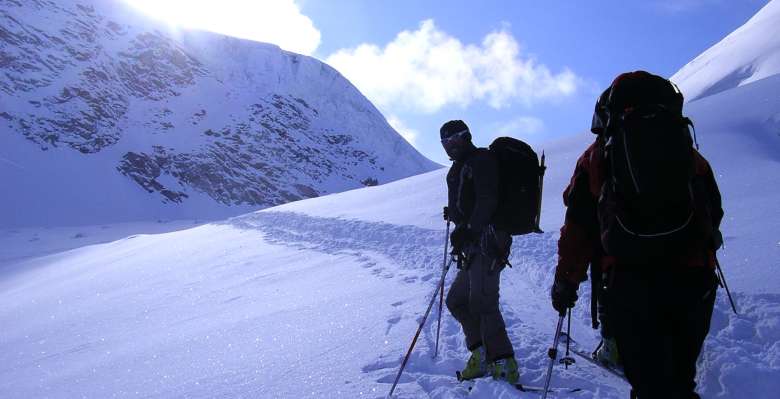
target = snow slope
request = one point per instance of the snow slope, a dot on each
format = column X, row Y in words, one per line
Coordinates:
column 748, row 54
column 320, row 298
column 18, row 244
column 286, row 305
column 108, row 116
column 739, row 133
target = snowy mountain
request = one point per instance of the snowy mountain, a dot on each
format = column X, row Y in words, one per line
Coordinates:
column 748, row 54
column 108, row 116
column 320, row 297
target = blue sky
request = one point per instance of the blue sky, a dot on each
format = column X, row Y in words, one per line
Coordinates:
column 530, row 69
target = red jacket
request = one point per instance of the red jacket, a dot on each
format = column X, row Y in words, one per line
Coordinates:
column 580, row 245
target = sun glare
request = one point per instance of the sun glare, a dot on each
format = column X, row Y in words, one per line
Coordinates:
column 274, row 21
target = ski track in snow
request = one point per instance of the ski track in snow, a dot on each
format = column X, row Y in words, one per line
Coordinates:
column 741, row 357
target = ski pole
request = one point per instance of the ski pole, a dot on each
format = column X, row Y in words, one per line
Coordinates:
column 553, row 353
column 417, row 334
column 419, row 329
column 725, row 285
column 568, row 360
column 441, row 290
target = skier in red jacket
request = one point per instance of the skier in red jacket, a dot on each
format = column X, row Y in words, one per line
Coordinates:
column 658, row 302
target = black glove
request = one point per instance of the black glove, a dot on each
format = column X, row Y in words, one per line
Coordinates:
column 452, row 214
column 563, row 294
column 495, row 244
column 459, row 237
column 717, row 239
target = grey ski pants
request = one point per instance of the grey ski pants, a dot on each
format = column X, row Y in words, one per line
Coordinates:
column 473, row 301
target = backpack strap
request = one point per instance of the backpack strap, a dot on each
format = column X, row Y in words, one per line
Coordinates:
column 465, row 169
column 688, row 122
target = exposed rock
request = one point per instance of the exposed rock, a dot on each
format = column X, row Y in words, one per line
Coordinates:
column 189, row 114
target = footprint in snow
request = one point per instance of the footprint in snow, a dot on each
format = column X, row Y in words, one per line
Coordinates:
column 392, row 322
column 379, row 365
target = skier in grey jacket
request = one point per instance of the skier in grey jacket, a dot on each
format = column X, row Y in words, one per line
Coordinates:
column 472, row 184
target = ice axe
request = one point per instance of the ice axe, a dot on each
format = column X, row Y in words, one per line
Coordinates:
column 538, row 219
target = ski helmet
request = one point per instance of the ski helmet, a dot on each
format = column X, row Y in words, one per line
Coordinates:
column 455, row 138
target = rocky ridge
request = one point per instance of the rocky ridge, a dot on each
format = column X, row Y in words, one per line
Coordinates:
column 183, row 114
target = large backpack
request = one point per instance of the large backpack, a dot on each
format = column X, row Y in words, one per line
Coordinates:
column 648, row 206
column 520, row 186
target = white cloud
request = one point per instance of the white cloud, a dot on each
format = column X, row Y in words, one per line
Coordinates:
column 520, row 126
column 406, row 132
column 278, row 21
column 428, row 69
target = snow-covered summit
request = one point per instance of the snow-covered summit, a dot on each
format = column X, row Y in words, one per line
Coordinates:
column 749, row 54
column 110, row 116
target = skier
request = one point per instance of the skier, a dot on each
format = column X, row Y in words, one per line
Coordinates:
column 628, row 188
column 483, row 251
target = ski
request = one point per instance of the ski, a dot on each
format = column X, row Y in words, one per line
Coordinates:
column 588, row 356
column 523, row 387
column 531, row 388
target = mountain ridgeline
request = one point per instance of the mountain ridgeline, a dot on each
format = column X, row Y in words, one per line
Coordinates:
column 121, row 117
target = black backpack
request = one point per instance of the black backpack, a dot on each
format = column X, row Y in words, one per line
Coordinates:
column 648, row 205
column 520, row 186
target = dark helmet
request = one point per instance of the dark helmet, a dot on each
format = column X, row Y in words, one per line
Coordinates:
column 455, row 138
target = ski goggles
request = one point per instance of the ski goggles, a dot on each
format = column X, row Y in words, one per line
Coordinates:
column 454, row 138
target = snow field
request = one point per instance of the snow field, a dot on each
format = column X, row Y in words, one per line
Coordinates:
column 31, row 242
column 185, row 318
column 290, row 305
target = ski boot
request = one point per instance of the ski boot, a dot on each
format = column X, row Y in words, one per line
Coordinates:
column 476, row 366
column 505, row 369
column 608, row 354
